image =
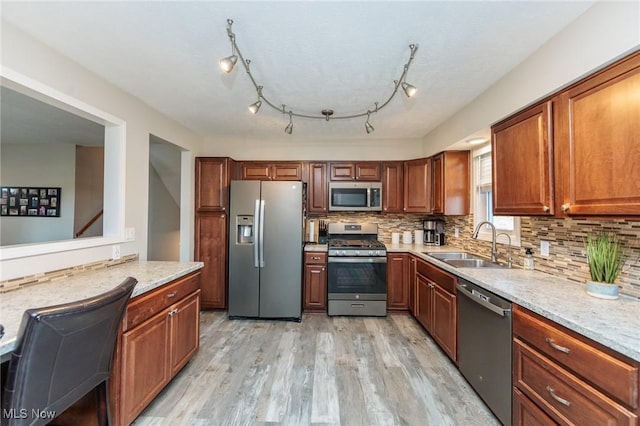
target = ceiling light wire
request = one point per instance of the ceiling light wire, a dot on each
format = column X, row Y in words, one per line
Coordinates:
column 227, row 64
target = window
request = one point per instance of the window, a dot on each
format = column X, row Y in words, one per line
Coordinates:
column 483, row 202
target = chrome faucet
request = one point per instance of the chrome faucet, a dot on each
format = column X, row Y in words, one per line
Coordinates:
column 509, row 259
column 494, row 252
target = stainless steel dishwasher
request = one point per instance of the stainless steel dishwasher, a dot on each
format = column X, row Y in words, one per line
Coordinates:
column 484, row 346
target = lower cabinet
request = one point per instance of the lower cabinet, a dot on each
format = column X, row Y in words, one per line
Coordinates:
column 160, row 334
column 564, row 378
column 315, row 282
column 211, row 249
column 436, row 306
column 397, row 281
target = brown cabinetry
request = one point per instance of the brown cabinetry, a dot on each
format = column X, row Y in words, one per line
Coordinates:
column 412, row 284
column 436, row 307
column 283, row 170
column 397, row 281
column 598, row 143
column 392, row 187
column 570, row 378
column 160, row 335
column 522, row 160
column 450, row 183
column 317, row 188
column 417, row 186
column 211, row 249
column 315, row 281
column 369, row 170
column 212, row 183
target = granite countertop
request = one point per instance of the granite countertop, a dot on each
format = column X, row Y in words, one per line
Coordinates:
column 81, row 286
column 613, row 323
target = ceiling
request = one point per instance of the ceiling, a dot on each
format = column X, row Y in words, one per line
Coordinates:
column 308, row 55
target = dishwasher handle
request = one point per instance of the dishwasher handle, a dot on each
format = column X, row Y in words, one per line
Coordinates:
column 493, row 308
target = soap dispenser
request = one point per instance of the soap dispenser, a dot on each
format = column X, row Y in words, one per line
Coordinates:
column 528, row 259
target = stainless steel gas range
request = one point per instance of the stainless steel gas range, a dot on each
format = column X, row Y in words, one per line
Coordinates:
column 357, row 266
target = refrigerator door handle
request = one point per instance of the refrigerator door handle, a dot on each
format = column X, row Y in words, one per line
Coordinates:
column 256, row 212
column 261, row 231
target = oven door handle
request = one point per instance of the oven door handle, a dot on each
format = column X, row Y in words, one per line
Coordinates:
column 462, row 289
column 381, row 259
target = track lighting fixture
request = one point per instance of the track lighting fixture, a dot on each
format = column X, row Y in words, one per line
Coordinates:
column 227, row 64
column 367, row 126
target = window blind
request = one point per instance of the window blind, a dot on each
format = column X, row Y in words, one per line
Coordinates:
column 484, row 172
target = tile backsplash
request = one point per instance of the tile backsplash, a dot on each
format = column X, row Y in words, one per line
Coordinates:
column 566, row 258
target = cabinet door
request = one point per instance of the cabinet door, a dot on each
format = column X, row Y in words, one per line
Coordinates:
column 417, row 186
column 342, row 171
column 423, row 301
column 412, row 285
column 522, row 161
column 286, row 171
column 437, row 183
column 317, row 188
column 392, row 187
column 255, row 171
column 444, row 325
column 211, row 248
column 367, row 171
column 600, row 136
column 450, row 183
column 184, row 330
column 145, row 365
column 212, row 184
column 315, row 287
column 397, row 281
column 526, row 413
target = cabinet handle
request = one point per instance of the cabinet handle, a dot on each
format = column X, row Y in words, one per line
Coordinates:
column 565, row 207
column 173, row 312
column 315, row 257
column 546, row 208
column 322, row 268
column 556, row 346
column 557, row 398
column 172, row 294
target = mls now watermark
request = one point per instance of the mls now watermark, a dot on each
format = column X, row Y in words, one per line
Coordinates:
column 23, row 413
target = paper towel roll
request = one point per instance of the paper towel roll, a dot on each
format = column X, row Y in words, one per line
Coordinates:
column 312, row 231
column 395, row 238
column 418, row 236
column 406, row 237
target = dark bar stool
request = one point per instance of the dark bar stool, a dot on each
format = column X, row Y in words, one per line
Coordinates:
column 62, row 353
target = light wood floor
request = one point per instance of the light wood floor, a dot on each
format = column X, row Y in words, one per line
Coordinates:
column 322, row 371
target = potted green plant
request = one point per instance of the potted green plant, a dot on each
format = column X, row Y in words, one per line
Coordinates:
column 604, row 255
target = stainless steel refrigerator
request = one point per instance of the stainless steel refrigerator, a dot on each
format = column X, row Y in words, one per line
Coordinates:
column 265, row 250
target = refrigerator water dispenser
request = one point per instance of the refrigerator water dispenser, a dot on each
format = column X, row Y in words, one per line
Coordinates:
column 244, row 229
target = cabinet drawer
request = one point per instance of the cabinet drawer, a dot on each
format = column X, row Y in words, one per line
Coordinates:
column 614, row 376
column 526, row 413
column 314, row 257
column 437, row 275
column 149, row 304
column 562, row 395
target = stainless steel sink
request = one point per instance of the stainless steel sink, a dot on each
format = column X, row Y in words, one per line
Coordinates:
column 472, row 263
column 452, row 255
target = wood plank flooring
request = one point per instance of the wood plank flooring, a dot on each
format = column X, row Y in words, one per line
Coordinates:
column 322, row 371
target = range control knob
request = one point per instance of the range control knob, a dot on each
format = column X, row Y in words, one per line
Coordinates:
column 357, row 253
column 371, row 252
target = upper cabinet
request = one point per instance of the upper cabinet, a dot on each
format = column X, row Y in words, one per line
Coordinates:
column 212, row 183
column 283, row 170
column 317, row 188
column 450, row 183
column 417, row 186
column 368, row 170
column 598, row 143
column 576, row 153
column 393, row 187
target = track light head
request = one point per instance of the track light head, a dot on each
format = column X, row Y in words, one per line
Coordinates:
column 409, row 90
column 289, row 129
column 227, row 64
column 367, row 126
column 254, row 107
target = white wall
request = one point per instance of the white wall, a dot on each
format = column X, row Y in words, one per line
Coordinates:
column 39, row 166
column 31, row 58
column 164, row 220
column 603, row 33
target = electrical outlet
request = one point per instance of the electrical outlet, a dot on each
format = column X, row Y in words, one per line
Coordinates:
column 129, row 234
column 544, row 248
column 456, row 232
column 115, row 252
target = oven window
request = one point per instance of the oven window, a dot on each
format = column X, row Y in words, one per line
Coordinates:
column 349, row 197
column 358, row 278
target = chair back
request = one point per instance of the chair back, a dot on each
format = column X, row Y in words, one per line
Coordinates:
column 62, row 352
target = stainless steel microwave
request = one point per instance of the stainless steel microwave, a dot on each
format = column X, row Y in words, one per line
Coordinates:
column 355, row 196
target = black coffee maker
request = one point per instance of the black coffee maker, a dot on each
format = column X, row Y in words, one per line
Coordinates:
column 433, row 232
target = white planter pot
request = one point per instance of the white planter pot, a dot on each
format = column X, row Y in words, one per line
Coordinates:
column 602, row 290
